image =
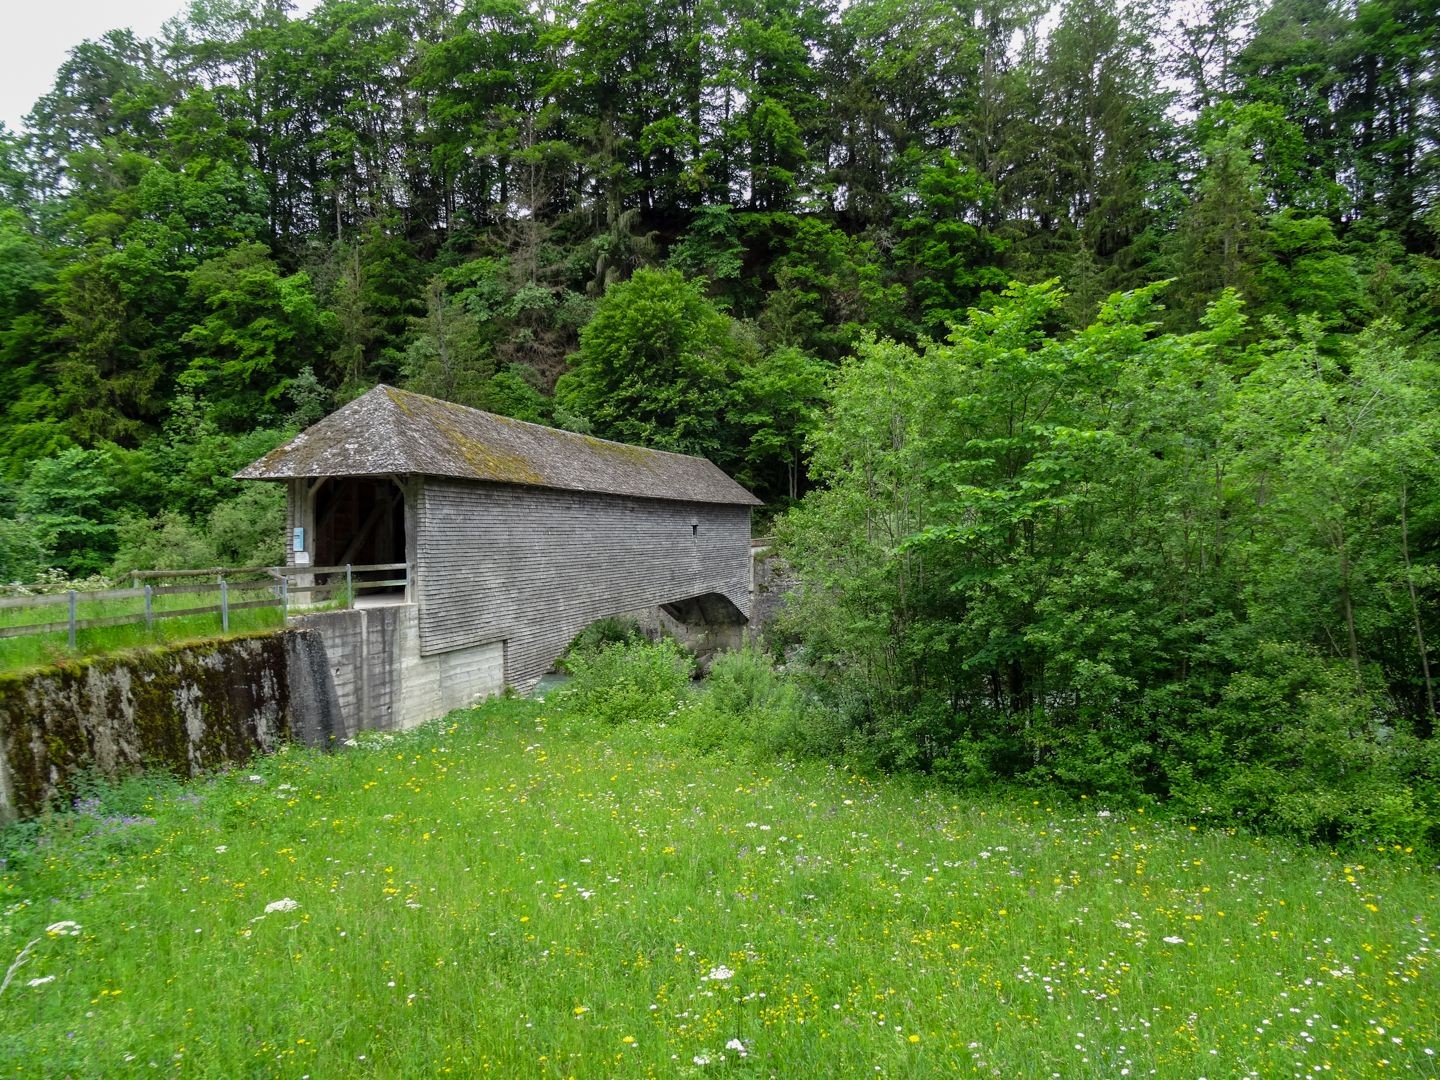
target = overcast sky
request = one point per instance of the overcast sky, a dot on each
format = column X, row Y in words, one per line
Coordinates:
column 38, row 33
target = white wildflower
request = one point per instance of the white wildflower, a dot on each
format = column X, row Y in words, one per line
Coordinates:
column 221, row 849
column 281, row 905
column 1174, row 940
column 720, row 974
column 737, row 1046
column 66, row 927
column 701, row 1060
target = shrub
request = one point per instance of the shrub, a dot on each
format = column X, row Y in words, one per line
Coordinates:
column 1296, row 746
column 749, row 703
column 249, row 529
column 627, row 682
column 597, row 635
column 163, row 542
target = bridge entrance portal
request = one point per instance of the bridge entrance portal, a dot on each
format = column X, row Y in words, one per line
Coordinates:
column 359, row 521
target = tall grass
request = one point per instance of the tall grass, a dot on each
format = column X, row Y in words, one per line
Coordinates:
column 39, row 650
column 521, row 891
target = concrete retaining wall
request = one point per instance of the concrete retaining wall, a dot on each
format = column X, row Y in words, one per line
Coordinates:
column 380, row 680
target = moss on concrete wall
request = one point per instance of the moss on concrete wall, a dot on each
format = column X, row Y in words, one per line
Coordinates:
column 186, row 709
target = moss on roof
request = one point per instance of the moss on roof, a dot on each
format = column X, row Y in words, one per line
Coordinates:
column 390, row 431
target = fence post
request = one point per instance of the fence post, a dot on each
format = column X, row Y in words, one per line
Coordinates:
column 284, row 598
column 349, row 587
column 72, row 618
column 224, row 607
column 149, row 611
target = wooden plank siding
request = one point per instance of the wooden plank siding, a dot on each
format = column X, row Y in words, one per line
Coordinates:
column 533, row 566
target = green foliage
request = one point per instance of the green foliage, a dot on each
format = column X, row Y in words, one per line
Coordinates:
column 711, row 248
column 22, row 553
column 1302, row 271
column 69, row 501
column 309, row 400
column 249, row 529
column 627, row 682
column 599, row 634
column 829, row 288
column 448, row 358
column 259, row 330
column 748, row 706
column 1218, row 238
column 780, row 398
column 192, row 462
column 950, row 260
column 166, row 542
column 1323, row 765
column 242, row 531
column 1004, row 574
column 23, row 268
column 656, row 367
column 512, row 391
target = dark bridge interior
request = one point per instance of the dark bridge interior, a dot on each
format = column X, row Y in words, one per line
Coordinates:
column 359, row 521
column 706, row 624
column 710, row 610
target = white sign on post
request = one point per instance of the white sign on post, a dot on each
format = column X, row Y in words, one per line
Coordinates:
column 302, row 558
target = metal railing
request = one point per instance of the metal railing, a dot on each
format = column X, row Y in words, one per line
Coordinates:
column 309, row 582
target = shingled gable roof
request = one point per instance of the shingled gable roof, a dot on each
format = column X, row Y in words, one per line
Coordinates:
column 389, row 431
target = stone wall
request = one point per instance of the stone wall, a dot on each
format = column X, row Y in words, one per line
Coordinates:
column 194, row 708
column 771, row 578
column 185, row 709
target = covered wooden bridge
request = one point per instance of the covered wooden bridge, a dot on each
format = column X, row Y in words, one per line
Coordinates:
column 516, row 536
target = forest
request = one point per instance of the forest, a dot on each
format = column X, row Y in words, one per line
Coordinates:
column 1084, row 353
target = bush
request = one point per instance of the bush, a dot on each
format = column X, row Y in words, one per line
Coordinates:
column 22, row 552
column 249, row 529
column 597, row 635
column 749, row 703
column 1296, row 746
column 68, row 499
column 164, row 542
column 627, row 682
column 1108, row 754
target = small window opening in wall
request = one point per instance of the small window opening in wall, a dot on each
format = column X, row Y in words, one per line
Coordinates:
column 694, row 529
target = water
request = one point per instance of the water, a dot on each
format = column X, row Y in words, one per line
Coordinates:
column 550, row 681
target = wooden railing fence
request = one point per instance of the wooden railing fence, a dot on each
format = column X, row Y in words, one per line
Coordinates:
column 309, row 583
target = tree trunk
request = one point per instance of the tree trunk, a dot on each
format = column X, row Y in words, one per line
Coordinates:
column 1427, row 728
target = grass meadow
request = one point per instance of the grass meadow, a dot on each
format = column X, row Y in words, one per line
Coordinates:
column 41, row 650
column 514, row 893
